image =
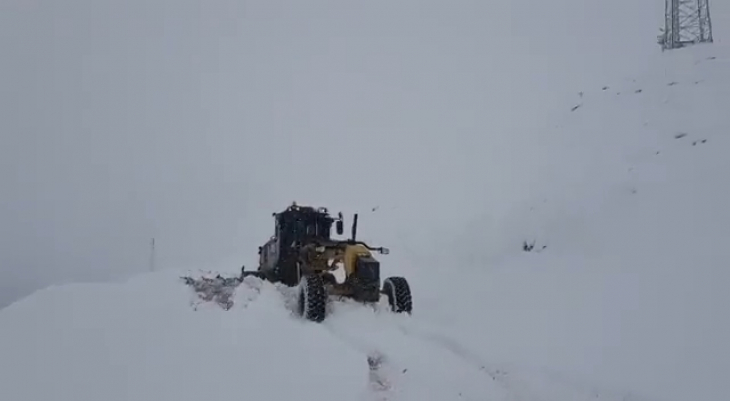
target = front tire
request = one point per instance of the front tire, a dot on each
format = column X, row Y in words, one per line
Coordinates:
column 312, row 298
column 399, row 294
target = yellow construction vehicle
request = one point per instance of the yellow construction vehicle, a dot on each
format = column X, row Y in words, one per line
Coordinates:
column 303, row 254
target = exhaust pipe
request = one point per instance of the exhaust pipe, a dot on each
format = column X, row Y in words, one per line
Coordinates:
column 354, row 227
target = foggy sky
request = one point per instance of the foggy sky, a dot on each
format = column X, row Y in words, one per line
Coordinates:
column 192, row 121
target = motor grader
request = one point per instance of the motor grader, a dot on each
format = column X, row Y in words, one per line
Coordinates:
column 303, row 254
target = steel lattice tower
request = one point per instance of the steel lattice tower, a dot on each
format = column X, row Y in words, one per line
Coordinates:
column 686, row 22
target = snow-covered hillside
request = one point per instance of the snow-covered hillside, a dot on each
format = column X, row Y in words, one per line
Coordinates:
column 630, row 289
column 623, row 296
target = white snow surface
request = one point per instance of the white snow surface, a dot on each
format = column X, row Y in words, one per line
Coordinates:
column 627, row 301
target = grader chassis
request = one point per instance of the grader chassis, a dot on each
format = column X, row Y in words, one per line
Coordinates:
column 302, row 253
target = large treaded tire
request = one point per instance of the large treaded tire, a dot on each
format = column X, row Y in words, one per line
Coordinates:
column 399, row 294
column 312, row 298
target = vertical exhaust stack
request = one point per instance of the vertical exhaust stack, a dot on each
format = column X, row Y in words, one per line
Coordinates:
column 354, row 227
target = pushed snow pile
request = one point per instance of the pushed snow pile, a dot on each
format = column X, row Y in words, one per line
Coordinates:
column 142, row 340
column 217, row 289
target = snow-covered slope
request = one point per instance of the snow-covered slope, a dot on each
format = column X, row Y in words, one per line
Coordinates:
column 630, row 290
column 622, row 298
column 631, row 287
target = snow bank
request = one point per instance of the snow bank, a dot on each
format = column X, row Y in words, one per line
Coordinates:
column 142, row 340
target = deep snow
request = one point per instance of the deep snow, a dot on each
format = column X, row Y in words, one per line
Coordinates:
column 626, row 301
column 142, row 340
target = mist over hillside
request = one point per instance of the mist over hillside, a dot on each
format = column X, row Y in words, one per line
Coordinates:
column 191, row 123
column 460, row 132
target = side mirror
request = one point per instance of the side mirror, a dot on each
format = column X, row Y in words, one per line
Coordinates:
column 340, row 227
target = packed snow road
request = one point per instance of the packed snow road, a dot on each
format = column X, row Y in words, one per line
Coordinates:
column 422, row 360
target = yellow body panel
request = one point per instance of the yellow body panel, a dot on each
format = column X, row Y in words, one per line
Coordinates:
column 352, row 252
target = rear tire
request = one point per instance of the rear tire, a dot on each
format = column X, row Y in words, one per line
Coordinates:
column 399, row 294
column 312, row 298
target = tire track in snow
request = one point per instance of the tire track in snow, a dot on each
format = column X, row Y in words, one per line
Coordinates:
column 404, row 353
column 529, row 384
column 380, row 371
column 468, row 356
column 404, row 366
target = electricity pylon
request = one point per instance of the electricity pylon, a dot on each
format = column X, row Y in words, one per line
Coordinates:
column 686, row 22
